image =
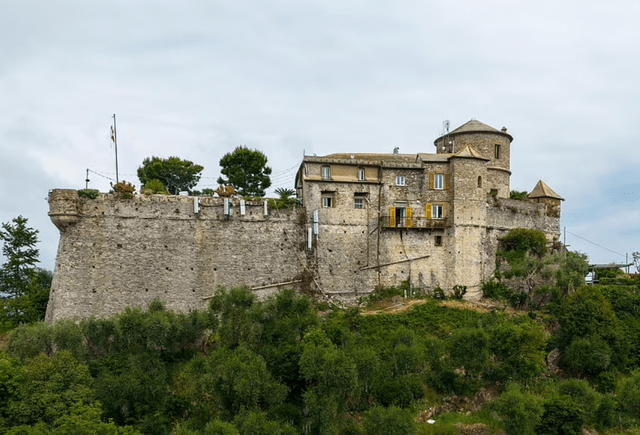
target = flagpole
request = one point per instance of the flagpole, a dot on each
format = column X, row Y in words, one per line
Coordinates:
column 115, row 142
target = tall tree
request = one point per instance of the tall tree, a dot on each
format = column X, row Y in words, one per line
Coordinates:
column 174, row 173
column 24, row 288
column 246, row 170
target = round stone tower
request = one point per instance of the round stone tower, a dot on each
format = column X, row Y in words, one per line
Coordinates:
column 492, row 144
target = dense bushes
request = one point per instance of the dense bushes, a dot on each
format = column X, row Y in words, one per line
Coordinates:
column 244, row 366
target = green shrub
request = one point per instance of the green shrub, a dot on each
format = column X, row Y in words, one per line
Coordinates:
column 609, row 273
column 519, row 195
column 469, row 349
column 389, row 421
column 381, row 293
column 496, row 290
column 524, row 240
column 618, row 281
column 519, row 350
column 89, row 193
column 501, row 292
column 520, row 411
column 605, row 415
column 459, row 291
column 587, row 355
column 606, row 382
column 154, row 186
column 282, row 203
column 630, row 395
column 124, row 189
column 562, row 416
column 582, row 393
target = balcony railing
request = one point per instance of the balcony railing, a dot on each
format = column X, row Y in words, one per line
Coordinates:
column 413, row 222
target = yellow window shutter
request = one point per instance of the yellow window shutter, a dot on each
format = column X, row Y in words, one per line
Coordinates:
column 409, row 212
column 432, row 181
column 446, row 181
column 427, row 211
column 392, row 217
column 444, row 210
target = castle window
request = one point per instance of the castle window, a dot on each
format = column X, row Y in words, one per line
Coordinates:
column 438, row 181
column 326, row 172
column 436, row 211
column 328, row 200
column 479, row 181
column 497, row 152
column 360, row 174
column 358, row 200
column 438, row 241
column 401, row 180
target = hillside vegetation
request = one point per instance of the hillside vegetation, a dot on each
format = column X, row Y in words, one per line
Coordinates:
column 564, row 360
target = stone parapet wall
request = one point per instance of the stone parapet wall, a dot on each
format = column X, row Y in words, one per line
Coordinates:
column 126, row 252
column 506, row 214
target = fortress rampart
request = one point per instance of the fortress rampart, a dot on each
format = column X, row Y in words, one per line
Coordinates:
column 432, row 220
column 115, row 252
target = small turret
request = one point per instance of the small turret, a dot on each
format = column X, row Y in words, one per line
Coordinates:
column 63, row 208
column 544, row 194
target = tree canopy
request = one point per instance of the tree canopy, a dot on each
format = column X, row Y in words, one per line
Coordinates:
column 24, row 288
column 174, row 173
column 246, row 171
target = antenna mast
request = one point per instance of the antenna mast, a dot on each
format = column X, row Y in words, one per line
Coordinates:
column 114, row 138
column 447, row 140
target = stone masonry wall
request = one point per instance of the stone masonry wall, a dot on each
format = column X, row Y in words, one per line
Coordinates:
column 506, row 214
column 115, row 253
column 126, row 252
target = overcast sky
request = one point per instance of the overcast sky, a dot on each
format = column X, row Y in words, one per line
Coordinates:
column 198, row 78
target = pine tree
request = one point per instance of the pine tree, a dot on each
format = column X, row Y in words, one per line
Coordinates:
column 24, row 288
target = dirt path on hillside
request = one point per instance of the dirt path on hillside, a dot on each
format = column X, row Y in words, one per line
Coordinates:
column 401, row 305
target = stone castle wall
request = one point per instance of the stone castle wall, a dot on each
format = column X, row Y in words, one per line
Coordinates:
column 115, row 253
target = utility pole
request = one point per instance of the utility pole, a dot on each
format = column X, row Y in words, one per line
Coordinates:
column 87, row 179
column 114, row 138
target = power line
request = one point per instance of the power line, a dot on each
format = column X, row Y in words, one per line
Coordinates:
column 589, row 241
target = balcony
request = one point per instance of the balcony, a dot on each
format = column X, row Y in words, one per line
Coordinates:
column 413, row 222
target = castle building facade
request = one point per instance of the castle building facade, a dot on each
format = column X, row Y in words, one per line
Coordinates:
column 367, row 220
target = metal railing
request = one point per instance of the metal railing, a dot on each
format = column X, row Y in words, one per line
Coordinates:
column 413, row 222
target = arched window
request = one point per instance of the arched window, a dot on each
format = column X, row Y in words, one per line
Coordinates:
column 479, row 181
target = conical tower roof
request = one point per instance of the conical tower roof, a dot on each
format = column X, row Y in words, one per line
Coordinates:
column 475, row 126
column 469, row 152
column 543, row 191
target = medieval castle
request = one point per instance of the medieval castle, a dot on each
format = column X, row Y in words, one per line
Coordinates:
column 367, row 220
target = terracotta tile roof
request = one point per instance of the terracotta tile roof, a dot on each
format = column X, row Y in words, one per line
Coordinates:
column 469, row 152
column 543, row 191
